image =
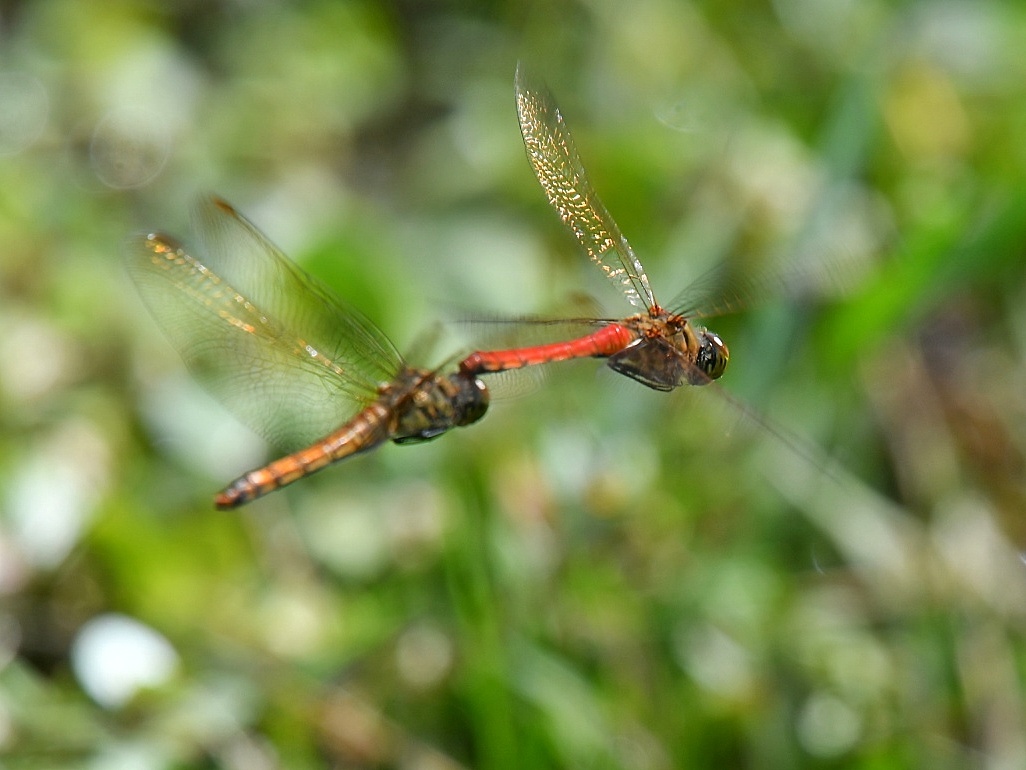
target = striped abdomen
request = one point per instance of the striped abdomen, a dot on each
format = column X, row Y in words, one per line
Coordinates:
column 365, row 431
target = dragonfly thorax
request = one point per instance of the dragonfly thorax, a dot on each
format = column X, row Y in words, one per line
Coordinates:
column 429, row 405
column 665, row 361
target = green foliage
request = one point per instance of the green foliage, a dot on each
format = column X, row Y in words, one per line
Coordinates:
column 827, row 573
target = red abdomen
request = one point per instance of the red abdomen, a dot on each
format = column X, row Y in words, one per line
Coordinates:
column 607, row 341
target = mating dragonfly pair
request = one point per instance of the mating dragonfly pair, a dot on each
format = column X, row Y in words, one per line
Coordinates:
column 281, row 350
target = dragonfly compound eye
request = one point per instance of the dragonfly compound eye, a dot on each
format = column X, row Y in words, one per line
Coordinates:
column 712, row 355
column 472, row 401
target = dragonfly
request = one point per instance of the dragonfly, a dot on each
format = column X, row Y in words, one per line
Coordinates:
column 660, row 348
column 287, row 355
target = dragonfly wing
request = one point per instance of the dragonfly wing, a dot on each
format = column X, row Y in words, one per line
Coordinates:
column 242, row 255
column 556, row 163
column 719, row 291
column 274, row 375
column 525, row 331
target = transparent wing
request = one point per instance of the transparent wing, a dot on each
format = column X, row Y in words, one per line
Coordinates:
column 729, row 288
column 718, row 291
column 235, row 249
column 552, row 153
column 525, row 331
column 268, row 340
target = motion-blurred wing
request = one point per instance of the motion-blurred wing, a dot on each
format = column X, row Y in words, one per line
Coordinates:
column 286, row 357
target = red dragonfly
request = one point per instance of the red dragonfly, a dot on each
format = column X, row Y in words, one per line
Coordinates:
column 657, row 347
column 286, row 355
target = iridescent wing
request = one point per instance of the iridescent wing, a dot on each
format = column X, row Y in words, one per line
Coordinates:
column 555, row 161
column 267, row 339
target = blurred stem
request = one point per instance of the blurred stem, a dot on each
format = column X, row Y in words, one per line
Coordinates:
column 486, row 664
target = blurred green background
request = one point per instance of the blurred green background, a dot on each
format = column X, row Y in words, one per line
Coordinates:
column 596, row 575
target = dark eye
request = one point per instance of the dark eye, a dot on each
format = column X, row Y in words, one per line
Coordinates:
column 712, row 355
column 473, row 401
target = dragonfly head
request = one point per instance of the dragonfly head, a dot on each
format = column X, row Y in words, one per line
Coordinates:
column 471, row 400
column 712, row 355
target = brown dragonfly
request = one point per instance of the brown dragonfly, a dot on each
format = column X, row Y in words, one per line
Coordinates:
column 284, row 353
column 660, row 348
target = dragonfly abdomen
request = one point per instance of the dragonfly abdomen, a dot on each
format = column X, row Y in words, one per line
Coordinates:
column 365, row 431
column 607, row 341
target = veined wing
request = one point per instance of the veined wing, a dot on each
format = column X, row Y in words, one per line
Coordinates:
column 292, row 366
column 242, row 255
column 556, row 163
